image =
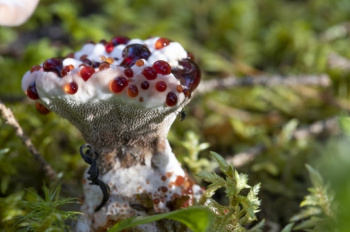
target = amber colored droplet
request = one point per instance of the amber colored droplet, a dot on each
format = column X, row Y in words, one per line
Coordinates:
column 118, row 84
column 103, row 58
column 145, row 85
column 156, row 201
column 179, row 180
column 162, row 67
column 71, row 88
column 179, row 88
column 109, row 60
column 86, row 72
column 104, row 65
column 35, row 68
column 149, row 73
column 109, row 47
column 168, row 174
column 128, row 72
column 120, row 40
column 171, row 99
column 66, row 69
column 187, row 92
column 53, row 65
column 163, row 178
column 141, row 99
column 164, row 189
column 41, row 108
column 161, row 86
column 133, row 91
column 31, row 91
column 161, row 43
column 139, row 63
column 134, row 52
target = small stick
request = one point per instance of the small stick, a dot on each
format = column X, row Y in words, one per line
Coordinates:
column 11, row 120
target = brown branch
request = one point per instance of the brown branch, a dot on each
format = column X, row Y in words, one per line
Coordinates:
column 11, row 120
column 322, row 80
column 319, row 128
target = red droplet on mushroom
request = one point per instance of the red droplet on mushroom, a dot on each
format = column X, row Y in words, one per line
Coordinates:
column 53, row 65
column 96, row 64
column 128, row 72
column 144, row 85
column 104, row 65
column 171, row 99
column 41, row 108
column 118, row 84
column 149, row 73
column 162, row 67
column 66, row 69
column 186, row 92
column 109, row 47
column 164, row 189
column 86, row 72
column 87, row 61
column 134, row 52
column 35, row 68
column 161, row 86
column 70, row 55
column 120, row 40
column 31, row 91
column 103, row 41
column 156, row 201
column 133, row 91
column 161, row 42
column 141, row 99
column 189, row 75
column 179, row 89
column 71, row 88
column 179, row 180
column 163, row 178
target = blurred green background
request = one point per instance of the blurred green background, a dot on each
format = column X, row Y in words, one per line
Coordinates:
column 228, row 38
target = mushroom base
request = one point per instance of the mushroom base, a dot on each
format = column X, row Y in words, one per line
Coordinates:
column 156, row 186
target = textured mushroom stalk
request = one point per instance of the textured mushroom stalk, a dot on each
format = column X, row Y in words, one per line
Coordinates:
column 123, row 96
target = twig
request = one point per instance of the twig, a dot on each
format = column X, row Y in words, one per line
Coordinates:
column 319, row 128
column 337, row 61
column 322, row 80
column 11, row 120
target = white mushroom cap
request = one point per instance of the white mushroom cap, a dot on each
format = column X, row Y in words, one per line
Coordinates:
column 105, row 82
column 16, row 12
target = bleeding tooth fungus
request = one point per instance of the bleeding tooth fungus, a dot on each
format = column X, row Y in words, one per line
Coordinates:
column 123, row 96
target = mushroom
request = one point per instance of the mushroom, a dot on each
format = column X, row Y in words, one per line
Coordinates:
column 16, row 12
column 123, row 95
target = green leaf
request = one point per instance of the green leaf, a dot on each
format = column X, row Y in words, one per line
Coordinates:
column 288, row 228
column 222, row 162
column 198, row 219
column 315, row 176
column 344, row 123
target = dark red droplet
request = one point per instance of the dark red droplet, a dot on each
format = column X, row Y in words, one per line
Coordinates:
column 96, row 64
column 144, row 85
column 118, row 84
column 103, row 41
column 66, row 69
column 161, row 86
column 156, row 201
column 70, row 55
column 190, row 56
column 128, row 72
column 31, row 91
column 87, row 61
column 171, row 99
column 162, row 67
column 71, row 88
column 134, row 52
column 109, row 47
column 161, row 42
column 149, row 73
column 163, row 178
column 86, row 72
column 120, row 40
column 53, row 65
column 41, row 108
column 189, row 75
column 133, row 91
column 164, row 189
